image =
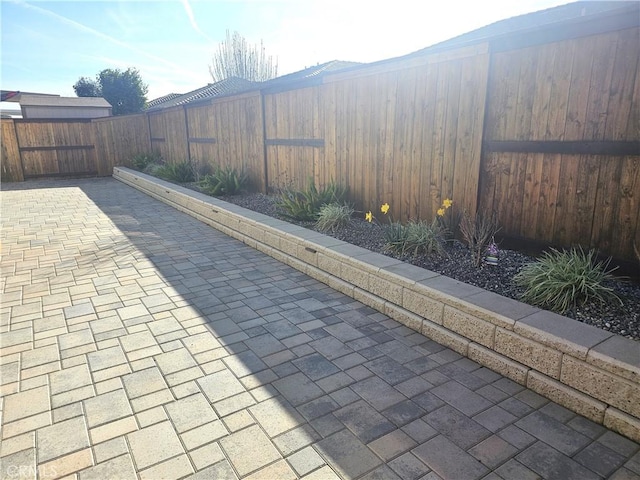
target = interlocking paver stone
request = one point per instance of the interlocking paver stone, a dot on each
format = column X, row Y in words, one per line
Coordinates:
column 493, row 451
column 40, row 356
column 221, row 470
column 143, row 382
column 600, row 459
column 16, row 337
column 220, row 385
column 460, row 397
column 157, row 348
column 347, row 455
column 253, row 440
column 190, row 412
column 154, row 444
column 106, row 358
column 207, row 433
column 364, row 421
column 107, row 408
column 494, row 418
column 62, row 438
column 69, row 379
column 315, row 366
column 24, row 404
column 378, row 393
column 75, row 339
column 11, row 465
column 552, row 432
column 404, row 412
column 448, row 460
column 458, row 428
column 298, row 389
column 276, row 416
column 550, row 463
column 120, row 467
column 408, row 466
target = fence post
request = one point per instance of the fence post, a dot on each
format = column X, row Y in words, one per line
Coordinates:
column 481, row 180
column 264, row 143
column 20, row 161
column 186, row 129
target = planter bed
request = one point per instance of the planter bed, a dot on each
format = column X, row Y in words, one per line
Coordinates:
column 590, row 371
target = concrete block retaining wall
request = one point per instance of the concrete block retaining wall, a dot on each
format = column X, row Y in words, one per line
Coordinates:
column 590, row 371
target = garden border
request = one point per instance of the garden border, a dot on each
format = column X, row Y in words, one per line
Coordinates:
column 588, row 370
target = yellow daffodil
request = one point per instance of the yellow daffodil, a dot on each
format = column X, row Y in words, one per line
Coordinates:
column 447, row 203
column 369, row 217
column 440, row 212
column 384, row 208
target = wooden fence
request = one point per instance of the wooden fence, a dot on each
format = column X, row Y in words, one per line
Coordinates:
column 546, row 133
column 562, row 159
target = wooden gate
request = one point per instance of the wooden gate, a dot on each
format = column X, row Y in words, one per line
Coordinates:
column 56, row 147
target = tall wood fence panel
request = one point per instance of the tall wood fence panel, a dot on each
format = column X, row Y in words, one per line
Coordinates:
column 409, row 135
column 558, row 167
column 56, row 147
column 10, row 153
column 294, row 126
column 229, row 132
column 545, row 135
column 168, row 130
column 118, row 139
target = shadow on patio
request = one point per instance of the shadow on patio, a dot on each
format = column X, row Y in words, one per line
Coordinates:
column 145, row 342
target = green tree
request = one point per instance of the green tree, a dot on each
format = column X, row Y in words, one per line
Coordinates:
column 124, row 90
column 236, row 58
column 86, row 87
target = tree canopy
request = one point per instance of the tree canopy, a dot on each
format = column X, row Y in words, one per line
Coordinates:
column 237, row 58
column 86, row 87
column 124, row 90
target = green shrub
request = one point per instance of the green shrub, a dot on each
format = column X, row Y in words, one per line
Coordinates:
column 333, row 216
column 560, row 280
column 142, row 161
column 415, row 238
column 305, row 205
column 425, row 237
column 223, row 181
column 395, row 237
column 152, row 169
column 181, row 172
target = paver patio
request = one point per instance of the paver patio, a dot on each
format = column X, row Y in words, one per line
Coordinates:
column 138, row 342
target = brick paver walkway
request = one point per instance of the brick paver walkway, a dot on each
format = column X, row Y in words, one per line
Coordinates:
column 139, row 343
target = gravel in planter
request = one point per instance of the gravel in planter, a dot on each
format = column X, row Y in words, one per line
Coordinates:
column 623, row 320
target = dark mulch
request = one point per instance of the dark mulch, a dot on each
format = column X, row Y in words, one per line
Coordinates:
column 456, row 263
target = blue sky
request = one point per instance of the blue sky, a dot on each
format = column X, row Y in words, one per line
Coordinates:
column 47, row 45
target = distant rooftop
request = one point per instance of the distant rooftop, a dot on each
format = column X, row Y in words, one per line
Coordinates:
column 223, row 87
column 236, row 85
column 15, row 95
column 165, row 98
column 30, row 100
column 310, row 72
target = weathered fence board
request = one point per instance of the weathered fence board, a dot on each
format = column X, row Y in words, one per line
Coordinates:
column 229, row 132
column 56, row 147
column 168, row 130
column 10, row 158
column 119, row 139
column 554, row 96
column 410, row 137
column 294, row 127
